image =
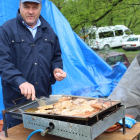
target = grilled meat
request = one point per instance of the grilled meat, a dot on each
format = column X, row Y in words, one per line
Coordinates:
column 45, row 107
column 73, row 107
column 44, row 111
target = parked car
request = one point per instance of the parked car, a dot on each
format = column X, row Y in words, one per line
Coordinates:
column 113, row 57
column 107, row 37
column 133, row 43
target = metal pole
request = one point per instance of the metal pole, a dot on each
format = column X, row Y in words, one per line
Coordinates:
column 4, row 122
column 123, row 120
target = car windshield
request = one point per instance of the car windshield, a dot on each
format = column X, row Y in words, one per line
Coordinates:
column 128, row 32
column 114, row 59
column 133, row 39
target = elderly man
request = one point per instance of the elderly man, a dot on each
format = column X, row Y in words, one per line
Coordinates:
column 30, row 57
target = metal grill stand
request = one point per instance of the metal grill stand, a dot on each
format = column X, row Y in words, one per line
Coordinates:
column 73, row 130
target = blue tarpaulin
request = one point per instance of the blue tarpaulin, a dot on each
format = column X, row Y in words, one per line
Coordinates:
column 87, row 73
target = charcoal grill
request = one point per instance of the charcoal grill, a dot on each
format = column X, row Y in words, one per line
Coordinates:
column 71, row 127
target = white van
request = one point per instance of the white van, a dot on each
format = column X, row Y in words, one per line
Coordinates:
column 106, row 37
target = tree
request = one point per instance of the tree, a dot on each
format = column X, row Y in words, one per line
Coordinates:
column 84, row 13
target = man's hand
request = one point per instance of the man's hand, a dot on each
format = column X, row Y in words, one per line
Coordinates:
column 59, row 74
column 27, row 90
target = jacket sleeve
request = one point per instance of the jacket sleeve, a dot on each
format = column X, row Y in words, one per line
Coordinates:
column 9, row 73
column 56, row 59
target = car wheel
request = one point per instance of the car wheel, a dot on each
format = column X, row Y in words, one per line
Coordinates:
column 106, row 47
column 125, row 49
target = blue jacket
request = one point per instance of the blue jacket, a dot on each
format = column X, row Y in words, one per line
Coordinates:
column 23, row 58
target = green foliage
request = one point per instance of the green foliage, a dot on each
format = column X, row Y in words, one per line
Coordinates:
column 100, row 13
column 84, row 13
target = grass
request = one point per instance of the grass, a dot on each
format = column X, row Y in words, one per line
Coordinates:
column 130, row 54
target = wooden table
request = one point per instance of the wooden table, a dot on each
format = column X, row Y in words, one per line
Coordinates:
column 20, row 133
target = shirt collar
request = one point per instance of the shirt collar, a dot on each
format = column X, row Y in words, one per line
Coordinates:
column 37, row 24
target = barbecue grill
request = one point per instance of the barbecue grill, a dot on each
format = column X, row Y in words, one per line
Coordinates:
column 71, row 127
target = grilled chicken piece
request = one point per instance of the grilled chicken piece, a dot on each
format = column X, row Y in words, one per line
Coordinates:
column 68, row 104
column 57, row 111
column 45, row 111
column 65, row 112
column 70, row 112
column 79, row 101
column 91, row 102
column 59, row 106
column 64, row 99
column 45, row 107
column 85, row 108
column 98, row 106
column 79, row 109
column 87, row 114
column 64, row 104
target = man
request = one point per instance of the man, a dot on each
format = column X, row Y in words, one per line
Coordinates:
column 30, row 57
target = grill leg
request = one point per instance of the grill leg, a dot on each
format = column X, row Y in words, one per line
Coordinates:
column 123, row 120
column 5, row 126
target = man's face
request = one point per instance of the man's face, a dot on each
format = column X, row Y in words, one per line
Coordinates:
column 30, row 12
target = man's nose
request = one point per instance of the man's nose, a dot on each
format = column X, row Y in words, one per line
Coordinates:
column 30, row 11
